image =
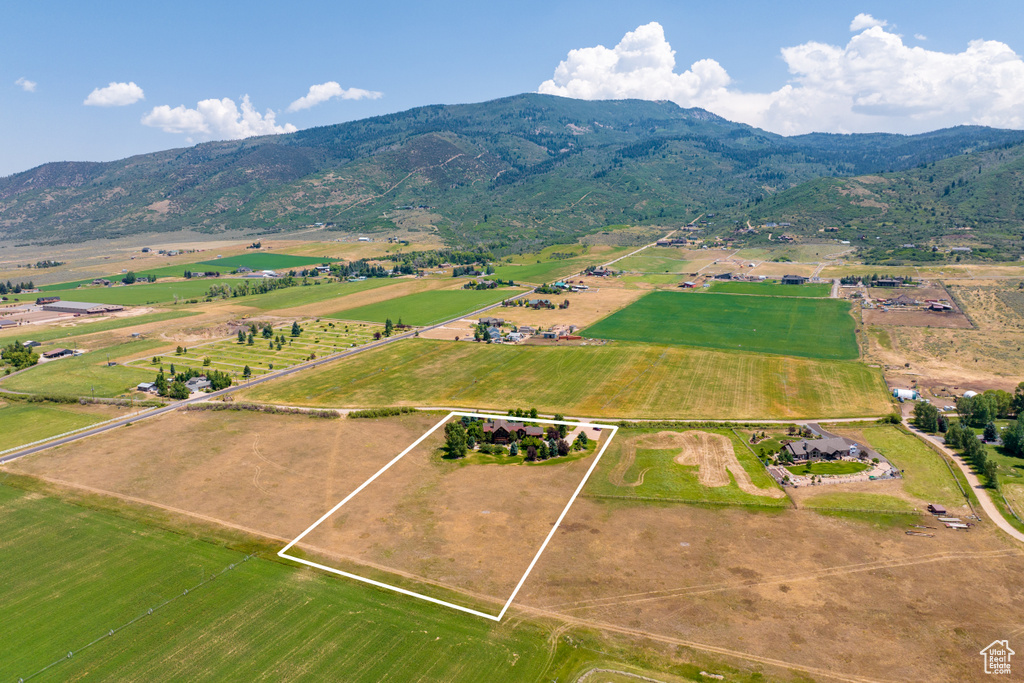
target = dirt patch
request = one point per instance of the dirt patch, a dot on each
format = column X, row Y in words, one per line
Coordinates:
column 713, row 456
column 896, row 317
column 585, row 308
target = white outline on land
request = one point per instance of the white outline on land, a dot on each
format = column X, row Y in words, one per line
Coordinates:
column 283, row 552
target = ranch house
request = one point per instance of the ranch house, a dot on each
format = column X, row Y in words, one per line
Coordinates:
column 504, row 431
column 820, row 449
column 793, row 279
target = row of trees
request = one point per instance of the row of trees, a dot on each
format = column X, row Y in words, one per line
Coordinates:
column 250, row 287
column 964, row 438
column 11, row 288
column 990, row 405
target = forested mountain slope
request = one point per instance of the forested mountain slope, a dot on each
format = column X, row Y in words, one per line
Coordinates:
column 531, row 168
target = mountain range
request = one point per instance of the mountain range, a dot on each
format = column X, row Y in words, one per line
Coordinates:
column 532, row 169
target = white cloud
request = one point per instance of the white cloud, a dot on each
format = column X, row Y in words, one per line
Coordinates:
column 874, row 83
column 330, row 89
column 25, row 84
column 216, row 119
column 115, row 95
column 920, row 36
column 863, row 21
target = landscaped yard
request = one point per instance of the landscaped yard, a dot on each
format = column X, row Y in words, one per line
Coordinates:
column 822, row 467
column 428, row 308
column 813, row 328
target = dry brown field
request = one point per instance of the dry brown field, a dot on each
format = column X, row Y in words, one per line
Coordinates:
column 472, row 528
column 585, row 308
column 273, row 475
column 777, row 270
column 857, row 597
column 895, row 317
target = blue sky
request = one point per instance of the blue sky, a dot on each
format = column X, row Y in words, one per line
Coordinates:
column 893, row 65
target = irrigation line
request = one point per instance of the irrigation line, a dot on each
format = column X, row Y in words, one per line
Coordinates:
column 145, row 614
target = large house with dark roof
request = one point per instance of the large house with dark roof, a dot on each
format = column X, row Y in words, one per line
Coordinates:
column 820, row 449
column 504, row 431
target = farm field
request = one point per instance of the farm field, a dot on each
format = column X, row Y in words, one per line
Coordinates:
column 263, row 261
column 585, row 308
column 762, row 324
column 814, row 290
column 765, row 579
column 228, row 355
column 260, row 617
column 292, row 297
column 469, row 526
column 82, row 326
column 132, row 295
column 925, row 476
column 659, row 262
column 551, row 270
column 683, row 466
column 427, row 308
column 24, row 423
column 85, row 375
column 612, row 380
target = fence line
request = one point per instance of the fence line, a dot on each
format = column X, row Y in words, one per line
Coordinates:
column 147, row 613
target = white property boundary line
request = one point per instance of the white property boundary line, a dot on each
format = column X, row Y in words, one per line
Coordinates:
column 284, row 551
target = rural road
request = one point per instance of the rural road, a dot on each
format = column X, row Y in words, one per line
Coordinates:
column 979, row 489
column 277, row 374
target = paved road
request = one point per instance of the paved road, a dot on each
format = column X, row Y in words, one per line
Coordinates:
column 277, row 374
column 980, row 490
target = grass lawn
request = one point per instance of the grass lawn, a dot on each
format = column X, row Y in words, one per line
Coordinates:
column 663, row 478
column 925, row 475
column 86, row 375
column 261, row 261
column 23, row 423
column 427, row 308
column 131, row 295
column 615, row 380
column 73, row 573
column 812, row 328
column 653, row 278
column 651, row 261
column 838, row 467
column 83, row 326
column 772, row 288
column 857, row 501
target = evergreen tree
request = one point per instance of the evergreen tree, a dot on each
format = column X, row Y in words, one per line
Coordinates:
column 246, row 372
column 296, row 330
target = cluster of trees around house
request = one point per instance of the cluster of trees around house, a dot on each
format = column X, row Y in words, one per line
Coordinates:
column 189, row 274
column 870, row 280
column 485, row 284
column 417, row 260
column 548, row 289
column 363, row 268
column 462, row 436
column 131, row 278
column 16, row 356
column 174, row 387
column 11, row 288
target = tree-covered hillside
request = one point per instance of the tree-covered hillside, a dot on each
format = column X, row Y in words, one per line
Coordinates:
column 974, row 200
column 529, row 168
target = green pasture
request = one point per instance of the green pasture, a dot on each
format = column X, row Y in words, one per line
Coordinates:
column 543, row 270
column 262, row 261
column 837, row 467
column 653, row 279
column 317, row 339
column 131, row 295
column 650, row 261
column 925, row 475
column 773, row 288
column 654, row 474
column 23, row 423
column 71, row 574
column 811, row 328
column 291, row 297
column 613, row 380
column 427, row 308
column 85, row 375
column 84, row 326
